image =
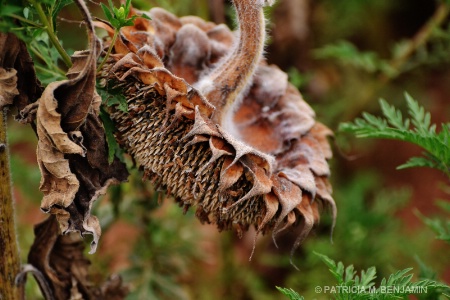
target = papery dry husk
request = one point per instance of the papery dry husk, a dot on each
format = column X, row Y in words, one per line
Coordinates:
column 268, row 170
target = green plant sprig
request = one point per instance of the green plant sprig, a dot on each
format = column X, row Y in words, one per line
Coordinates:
column 351, row 286
column 422, row 133
column 290, row 293
column 34, row 23
column 118, row 18
column 440, row 226
column 423, row 35
column 430, row 46
column 404, row 53
column 48, row 26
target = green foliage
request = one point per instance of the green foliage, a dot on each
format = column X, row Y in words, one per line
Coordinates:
column 298, row 79
column 368, row 233
column 118, row 17
column 113, row 146
column 422, row 133
column 55, row 8
column 351, row 286
column 290, row 293
column 47, row 59
column 35, row 23
column 366, row 210
column 426, row 272
column 111, row 97
column 430, row 47
column 346, row 53
column 345, row 18
column 347, row 276
column 368, row 228
column 434, row 53
column 165, row 249
column 440, row 226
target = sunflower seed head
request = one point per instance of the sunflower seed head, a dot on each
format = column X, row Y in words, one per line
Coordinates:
column 270, row 171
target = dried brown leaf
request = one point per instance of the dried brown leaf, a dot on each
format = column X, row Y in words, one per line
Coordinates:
column 8, row 86
column 72, row 150
column 61, row 260
column 14, row 55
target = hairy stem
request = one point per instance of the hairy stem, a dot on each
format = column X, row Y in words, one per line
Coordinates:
column 9, row 258
column 51, row 33
column 234, row 74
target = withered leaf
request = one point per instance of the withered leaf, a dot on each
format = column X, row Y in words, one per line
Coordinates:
column 14, row 55
column 72, row 152
column 61, row 261
column 8, row 86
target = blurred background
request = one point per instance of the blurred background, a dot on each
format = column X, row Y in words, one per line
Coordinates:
column 343, row 56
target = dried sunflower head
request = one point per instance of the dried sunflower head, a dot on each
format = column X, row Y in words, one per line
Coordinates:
column 217, row 127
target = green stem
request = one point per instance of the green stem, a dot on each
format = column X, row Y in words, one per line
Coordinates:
column 23, row 20
column 9, row 258
column 111, row 46
column 51, row 33
column 419, row 39
column 44, row 70
column 39, row 55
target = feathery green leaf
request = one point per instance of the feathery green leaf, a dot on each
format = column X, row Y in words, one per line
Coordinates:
column 417, row 130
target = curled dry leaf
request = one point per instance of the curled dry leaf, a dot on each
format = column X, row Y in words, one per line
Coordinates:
column 61, row 261
column 8, row 86
column 72, row 151
column 14, row 58
column 267, row 167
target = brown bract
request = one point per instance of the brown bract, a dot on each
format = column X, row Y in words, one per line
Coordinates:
column 267, row 167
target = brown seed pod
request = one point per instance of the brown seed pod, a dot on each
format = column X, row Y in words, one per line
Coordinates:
column 215, row 126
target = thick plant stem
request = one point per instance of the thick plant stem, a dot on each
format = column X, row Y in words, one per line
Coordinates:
column 234, row 74
column 9, row 251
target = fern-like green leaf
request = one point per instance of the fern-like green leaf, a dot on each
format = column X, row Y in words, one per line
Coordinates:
column 398, row 285
column 368, row 277
column 439, row 226
column 419, row 162
column 394, row 116
column 417, row 130
column 293, row 295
